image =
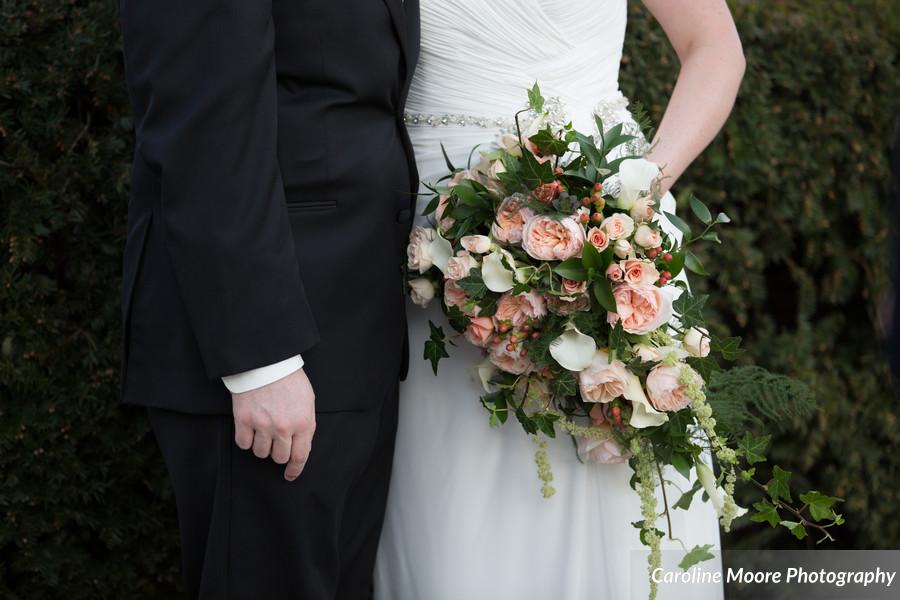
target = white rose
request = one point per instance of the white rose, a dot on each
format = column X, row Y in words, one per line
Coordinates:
column 618, row 226
column 421, row 291
column 418, row 252
column 459, row 266
column 647, row 237
column 642, row 209
column 476, row 244
column 696, row 342
column 622, row 248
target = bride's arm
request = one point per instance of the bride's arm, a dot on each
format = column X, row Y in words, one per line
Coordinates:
column 712, row 66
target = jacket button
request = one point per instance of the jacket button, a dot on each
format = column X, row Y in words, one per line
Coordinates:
column 404, row 215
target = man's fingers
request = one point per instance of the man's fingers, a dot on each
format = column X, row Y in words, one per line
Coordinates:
column 281, row 450
column 262, row 444
column 243, row 435
column 299, row 455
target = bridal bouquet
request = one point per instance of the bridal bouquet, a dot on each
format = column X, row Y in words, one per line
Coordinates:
column 550, row 255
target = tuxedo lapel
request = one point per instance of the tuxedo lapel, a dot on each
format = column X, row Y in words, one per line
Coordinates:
column 395, row 7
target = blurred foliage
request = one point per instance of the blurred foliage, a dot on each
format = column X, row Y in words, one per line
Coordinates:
column 801, row 167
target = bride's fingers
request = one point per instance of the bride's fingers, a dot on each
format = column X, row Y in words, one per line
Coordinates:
column 262, row 444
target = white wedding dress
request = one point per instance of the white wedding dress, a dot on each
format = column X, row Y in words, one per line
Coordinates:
column 466, row 519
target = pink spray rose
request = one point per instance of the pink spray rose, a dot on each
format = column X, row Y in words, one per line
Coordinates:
column 640, row 272
column 664, row 388
column 510, row 221
column 479, row 331
column 510, row 361
column 642, row 308
column 603, row 381
column 458, row 266
column 516, row 310
column 598, row 238
column 615, row 273
column 546, row 238
column 570, row 287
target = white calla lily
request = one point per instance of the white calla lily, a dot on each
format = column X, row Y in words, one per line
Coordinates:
column 573, row 350
column 483, row 373
column 496, row 276
column 636, row 175
column 441, row 252
column 642, row 414
column 713, row 490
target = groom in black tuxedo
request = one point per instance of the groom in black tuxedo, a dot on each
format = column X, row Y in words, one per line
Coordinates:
column 271, row 198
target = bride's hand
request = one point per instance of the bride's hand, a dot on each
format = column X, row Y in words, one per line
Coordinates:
column 278, row 420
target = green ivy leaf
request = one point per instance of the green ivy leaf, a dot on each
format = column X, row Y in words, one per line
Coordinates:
column 729, row 348
column 690, row 309
column 435, row 346
column 497, row 403
column 696, row 556
column 766, row 513
column 564, row 384
column 779, row 487
column 535, row 99
column 688, row 497
column 544, row 422
column 820, row 506
column 796, row 528
column 754, row 448
column 473, row 285
column 548, row 143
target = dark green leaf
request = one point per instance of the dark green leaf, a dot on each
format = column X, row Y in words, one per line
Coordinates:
column 796, row 528
column 571, row 268
column 692, row 263
column 700, row 211
column 449, row 164
column 687, row 498
column 473, row 284
column 766, row 513
column 679, row 223
column 435, row 346
column 603, row 292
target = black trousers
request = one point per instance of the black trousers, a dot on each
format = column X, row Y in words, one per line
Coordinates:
column 246, row 533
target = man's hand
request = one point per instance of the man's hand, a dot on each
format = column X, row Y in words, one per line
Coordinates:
column 278, row 420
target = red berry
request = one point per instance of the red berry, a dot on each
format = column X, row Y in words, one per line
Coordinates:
column 597, row 197
column 504, row 328
column 662, row 281
column 584, row 218
column 585, row 201
column 667, row 274
column 667, row 257
column 526, row 328
column 598, row 187
column 596, row 217
column 524, row 352
column 497, row 339
column 513, row 339
column 651, row 253
column 510, row 348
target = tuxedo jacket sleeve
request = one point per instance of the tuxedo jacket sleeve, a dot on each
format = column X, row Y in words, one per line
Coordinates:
column 206, row 124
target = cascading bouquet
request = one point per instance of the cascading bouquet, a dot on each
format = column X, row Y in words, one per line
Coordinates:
column 550, row 255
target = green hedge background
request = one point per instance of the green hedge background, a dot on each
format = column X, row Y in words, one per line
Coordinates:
column 802, row 167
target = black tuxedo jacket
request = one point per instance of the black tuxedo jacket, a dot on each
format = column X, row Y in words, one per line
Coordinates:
column 271, row 197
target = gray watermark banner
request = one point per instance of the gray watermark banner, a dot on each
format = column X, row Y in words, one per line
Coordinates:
column 774, row 575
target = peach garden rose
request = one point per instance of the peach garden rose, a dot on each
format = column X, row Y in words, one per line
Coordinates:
column 516, row 310
column 664, row 387
column 511, row 217
column 546, row 238
column 641, row 308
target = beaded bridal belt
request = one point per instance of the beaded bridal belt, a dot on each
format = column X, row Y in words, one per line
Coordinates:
column 611, row 112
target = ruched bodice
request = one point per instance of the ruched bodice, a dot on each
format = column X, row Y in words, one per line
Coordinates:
column 479, row 56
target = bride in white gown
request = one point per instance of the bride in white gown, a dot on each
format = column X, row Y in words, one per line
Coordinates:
column 465, row 518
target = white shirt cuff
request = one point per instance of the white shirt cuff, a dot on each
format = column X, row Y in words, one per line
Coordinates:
column 257, row 378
